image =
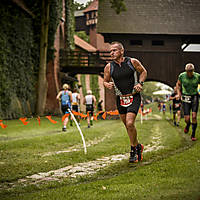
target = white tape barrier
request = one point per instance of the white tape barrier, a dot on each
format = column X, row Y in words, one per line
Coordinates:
column 84, row 145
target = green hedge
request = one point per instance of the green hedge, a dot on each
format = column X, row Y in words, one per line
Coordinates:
column 19, row 50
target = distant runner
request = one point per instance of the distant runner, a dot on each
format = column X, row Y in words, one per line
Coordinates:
column 121, row 74
column 176, row 106
column 163, row 108
column 90, row 102
column 76, row 103
column 187, row 86
column 66, row 98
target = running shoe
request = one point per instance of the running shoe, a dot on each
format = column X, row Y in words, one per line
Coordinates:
column 174, row 123
column 177, row 124
column 88, row 126
column 64, row 129
column 193, row 138
column 186, row 130
column 133, row 157
column 140, row 148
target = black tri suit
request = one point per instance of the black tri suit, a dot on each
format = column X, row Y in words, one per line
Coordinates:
column 125, row 78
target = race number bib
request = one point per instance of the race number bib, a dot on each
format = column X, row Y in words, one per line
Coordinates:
column 126, row 101
column 186, row 99
column 177, row 105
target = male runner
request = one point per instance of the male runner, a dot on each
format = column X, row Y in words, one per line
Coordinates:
column 121, row 74
column 176, row 106
column 187, row 86
column 90, row 102
column 76, row 103
column 66, row 98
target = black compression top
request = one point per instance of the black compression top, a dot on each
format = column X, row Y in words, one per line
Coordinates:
column 123, row 76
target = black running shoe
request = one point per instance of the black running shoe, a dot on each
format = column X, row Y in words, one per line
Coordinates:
column 133, row 157
column 140, row 148
column 88, row 126
column 64, row 129
column 174, row 123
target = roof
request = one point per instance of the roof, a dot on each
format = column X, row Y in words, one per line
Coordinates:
column 83, row 44
column 93, row 6
column 78, row 13
column 180, row 17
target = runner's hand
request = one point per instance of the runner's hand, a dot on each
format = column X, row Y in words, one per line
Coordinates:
column 109, row 85
column 177, row 97
column 138, row 87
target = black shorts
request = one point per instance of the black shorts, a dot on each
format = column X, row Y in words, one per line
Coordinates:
column 134, row 107
column 90, row 109
column 75, row 108
column 65, row 108
column 194, row 105
column 175, row 110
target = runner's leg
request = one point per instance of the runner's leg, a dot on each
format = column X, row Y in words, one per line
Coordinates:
column 194, row 123
column 129, row 120
column 178, row 116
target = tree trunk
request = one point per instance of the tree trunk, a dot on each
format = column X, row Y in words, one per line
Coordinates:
column 42, row 81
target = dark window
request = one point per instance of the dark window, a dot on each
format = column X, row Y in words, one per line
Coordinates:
column 157, row 43
column 136, row 42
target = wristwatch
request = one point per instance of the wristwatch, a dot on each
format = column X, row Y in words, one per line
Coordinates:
column 141, row 83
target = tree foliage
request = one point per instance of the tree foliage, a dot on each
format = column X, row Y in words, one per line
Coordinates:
column 81, row 6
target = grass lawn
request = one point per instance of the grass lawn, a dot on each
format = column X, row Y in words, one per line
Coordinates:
column 170, row 169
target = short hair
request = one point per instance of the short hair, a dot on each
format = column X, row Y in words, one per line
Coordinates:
column 89, row 92
column 119, row 44
column 189, row 67
column 65, row 86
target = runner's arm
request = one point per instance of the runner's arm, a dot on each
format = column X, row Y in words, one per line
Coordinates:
column 172, row 97
column 70, row 96
column 107, row 78
column 178, row 86
column 78, row 98
column 58, row 96
column 94, row 100
column 143, row 73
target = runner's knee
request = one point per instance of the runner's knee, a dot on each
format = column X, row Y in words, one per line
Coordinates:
column 194, row 116
column 187, row 119
column 129, row 124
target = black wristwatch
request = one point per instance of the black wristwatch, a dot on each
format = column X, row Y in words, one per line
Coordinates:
column 141, row 83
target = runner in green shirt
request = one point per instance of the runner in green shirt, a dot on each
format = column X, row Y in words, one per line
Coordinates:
column 187, row 86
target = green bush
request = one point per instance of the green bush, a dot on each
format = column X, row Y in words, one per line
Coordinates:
column 19, row 50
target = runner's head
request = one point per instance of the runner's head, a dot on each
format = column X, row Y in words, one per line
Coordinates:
column 65, row 86
column 116, row 50
column 189, row 68
column 89, row 92
column 75, row 90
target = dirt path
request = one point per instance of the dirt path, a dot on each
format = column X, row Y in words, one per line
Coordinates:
column 88, row 168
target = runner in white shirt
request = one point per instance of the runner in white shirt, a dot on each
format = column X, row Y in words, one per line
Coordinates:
column 90, row 102
column 76, row 103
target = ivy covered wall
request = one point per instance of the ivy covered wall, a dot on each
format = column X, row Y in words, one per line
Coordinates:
column 19, row 50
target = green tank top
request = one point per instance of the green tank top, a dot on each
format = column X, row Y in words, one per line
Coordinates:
column 189, row 85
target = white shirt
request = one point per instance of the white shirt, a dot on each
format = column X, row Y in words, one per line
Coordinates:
column 89, row 99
